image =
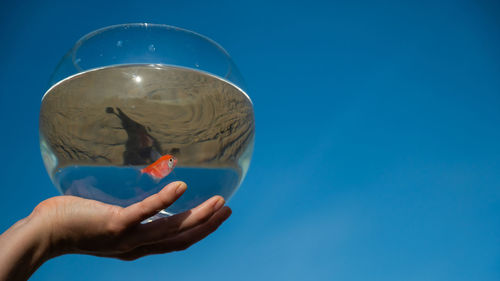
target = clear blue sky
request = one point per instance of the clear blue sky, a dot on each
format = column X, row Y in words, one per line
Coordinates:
column 377, row 150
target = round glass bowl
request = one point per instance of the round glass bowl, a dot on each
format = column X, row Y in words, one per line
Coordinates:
column 133, row 107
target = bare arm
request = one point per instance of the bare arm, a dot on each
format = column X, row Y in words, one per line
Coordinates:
column 67, row 224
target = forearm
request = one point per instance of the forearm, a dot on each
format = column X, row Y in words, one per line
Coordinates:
column 23, row 248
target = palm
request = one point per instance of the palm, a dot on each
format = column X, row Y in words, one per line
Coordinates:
column 86, row 226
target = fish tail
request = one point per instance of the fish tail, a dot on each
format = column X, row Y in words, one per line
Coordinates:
column 146, row 170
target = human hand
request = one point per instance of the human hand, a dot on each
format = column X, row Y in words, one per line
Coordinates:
column 78, row 225
column 68, row 224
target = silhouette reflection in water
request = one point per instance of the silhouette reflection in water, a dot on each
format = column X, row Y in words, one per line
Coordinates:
column 140, row 148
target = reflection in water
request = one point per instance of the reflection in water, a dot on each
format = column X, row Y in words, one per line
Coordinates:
column 99, row 128
column 104, row 117
column 140, row 148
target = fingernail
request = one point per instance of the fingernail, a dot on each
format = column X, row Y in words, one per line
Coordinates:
column 181, row 187
column 218, row 204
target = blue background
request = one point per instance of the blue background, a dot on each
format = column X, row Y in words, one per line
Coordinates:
column 377, row 151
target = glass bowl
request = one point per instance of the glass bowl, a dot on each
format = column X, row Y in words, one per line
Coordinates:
column 133, row 107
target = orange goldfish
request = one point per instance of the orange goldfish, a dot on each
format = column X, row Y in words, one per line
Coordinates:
column 161, row 167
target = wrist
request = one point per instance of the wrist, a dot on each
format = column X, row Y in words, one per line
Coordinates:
column 42, row 238
column 24, row 247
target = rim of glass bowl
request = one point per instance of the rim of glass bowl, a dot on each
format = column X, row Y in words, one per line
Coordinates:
column 85, row 37
column 146, row 25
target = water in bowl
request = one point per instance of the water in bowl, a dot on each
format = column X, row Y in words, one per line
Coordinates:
column 99, row 128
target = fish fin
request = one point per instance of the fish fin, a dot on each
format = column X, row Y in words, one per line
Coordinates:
column 155, row 155
column 155, row 178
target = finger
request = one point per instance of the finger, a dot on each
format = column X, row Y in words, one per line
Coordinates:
column 163, row 228
column 150, row 206
column 183, row 240
column 191, row 236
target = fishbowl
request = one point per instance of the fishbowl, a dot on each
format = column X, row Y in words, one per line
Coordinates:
column 134, row 107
